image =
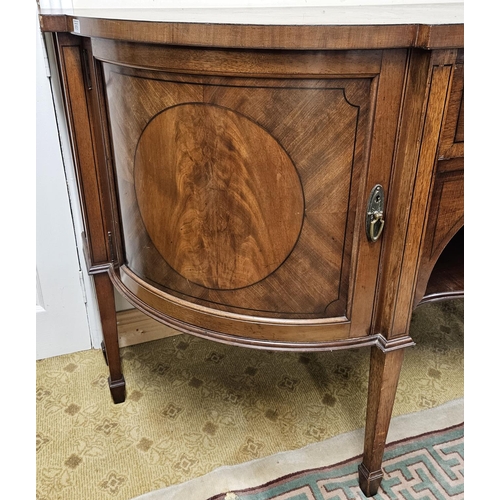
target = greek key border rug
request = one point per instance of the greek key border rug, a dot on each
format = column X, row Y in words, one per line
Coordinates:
column 428, row 465
column 431, row 464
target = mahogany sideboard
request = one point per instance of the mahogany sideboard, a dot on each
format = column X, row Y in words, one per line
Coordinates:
column 277, row 186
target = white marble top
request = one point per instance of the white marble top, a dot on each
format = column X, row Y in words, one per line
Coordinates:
column 433, row 14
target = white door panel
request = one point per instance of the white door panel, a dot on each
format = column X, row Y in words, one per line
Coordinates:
column 61, row 317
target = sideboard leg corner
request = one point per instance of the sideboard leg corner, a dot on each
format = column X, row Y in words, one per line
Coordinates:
column 117, row 389
column 369, row 482
column 385, row 368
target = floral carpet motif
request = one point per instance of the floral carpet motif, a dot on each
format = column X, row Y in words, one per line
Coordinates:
column 194, row 405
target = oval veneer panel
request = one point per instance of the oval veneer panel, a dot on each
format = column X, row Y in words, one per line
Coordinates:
column 207, row 182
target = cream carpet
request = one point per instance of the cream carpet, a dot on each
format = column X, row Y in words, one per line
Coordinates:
column 331, row 451
column 194, row 406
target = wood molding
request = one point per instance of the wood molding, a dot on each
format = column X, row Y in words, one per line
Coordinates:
column 261, row 36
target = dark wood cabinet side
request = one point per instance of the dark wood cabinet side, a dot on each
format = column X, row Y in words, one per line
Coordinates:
column 76, row 69
column 85, row 123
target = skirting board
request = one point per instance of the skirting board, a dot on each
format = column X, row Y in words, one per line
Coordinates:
column 134, row 327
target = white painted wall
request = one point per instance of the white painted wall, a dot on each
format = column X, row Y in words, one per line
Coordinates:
column 55, row 4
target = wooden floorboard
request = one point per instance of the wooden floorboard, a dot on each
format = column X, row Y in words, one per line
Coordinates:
column 134, row 327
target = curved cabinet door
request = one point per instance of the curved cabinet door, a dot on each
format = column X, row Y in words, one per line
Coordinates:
column 242, row 195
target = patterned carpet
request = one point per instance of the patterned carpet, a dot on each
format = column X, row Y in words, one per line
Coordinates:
column 430, row 466
column 195, row 405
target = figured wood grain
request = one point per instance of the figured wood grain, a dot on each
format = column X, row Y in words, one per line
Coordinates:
column 315, row 280
column 220, row 198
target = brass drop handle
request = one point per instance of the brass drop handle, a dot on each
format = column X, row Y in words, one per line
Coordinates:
column 375, row 233
column 375, row 213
